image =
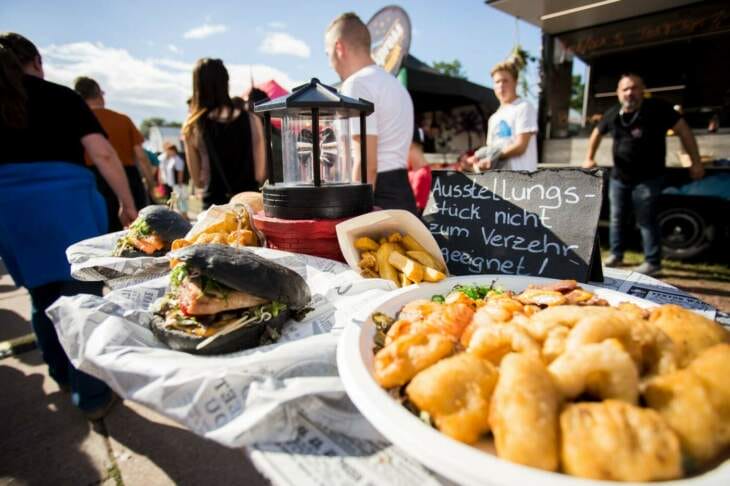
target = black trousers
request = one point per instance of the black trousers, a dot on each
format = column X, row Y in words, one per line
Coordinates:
column 136, row 187
column 393, row 191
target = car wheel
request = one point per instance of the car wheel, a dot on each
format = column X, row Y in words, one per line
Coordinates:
column 685, row 233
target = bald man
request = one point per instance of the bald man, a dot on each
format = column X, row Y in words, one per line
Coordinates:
column 389, row 127
column 639, row 127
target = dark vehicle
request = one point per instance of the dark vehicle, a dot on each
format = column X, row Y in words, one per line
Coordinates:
column 694, row 218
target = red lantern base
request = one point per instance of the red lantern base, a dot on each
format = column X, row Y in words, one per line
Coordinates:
column 316, row 237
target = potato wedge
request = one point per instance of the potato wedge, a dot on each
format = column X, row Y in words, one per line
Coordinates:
column 426, row 259
column 432, row 275
column 411, row 244
column 412, row 269
column 366, row 244
column 404, row 282
column 386, row 270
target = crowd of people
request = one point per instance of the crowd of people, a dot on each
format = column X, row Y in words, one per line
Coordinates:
column 65, row 153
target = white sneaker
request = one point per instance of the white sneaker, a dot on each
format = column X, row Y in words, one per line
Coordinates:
column 649, row 269
column 614, row 261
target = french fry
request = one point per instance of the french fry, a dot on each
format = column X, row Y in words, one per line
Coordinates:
column 383, row 240
column 368, row 273
column 411, row 244
column 425, row 259
column 412, row 269
column 404, row 282
column 209, row 238
column 386, row 270
column 366, row 244
column 432, row 275
column 180, row 243
column 242, row 237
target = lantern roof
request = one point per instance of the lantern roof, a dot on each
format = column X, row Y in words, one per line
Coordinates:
column 315, row 95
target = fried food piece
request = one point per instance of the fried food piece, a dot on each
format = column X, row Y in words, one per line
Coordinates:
column 578, row 296
column 228, row 224
column 494, row 342
column 691, row 332
column 563, row 315
column 604, row 370
column 426, row 259
column 403, row 327
column 419, row 309
column 369, row 273
column 366, row 244
column 209, row 238
column 456, row 392
column 541, row 297
column 403, row 358
column 605, row 324
column 394, row 237
column 695, row 402
column 658, row 355
column 412, row 270
column 524, row 413
column 411, row 244
column 452, row 319
column 554, row 344
column 498, row 310
column 180, row 243
column 368, row 260
column 242, row 237
column 432, row 275
column 386, row 270
column 616, row 441
column 634, row 310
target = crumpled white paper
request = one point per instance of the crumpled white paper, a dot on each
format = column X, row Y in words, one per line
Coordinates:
column 235, row 399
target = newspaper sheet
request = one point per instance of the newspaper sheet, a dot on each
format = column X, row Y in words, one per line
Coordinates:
column 284, row 402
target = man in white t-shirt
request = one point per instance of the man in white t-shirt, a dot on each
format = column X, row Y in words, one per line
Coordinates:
column 511, row 131
column 389, row 127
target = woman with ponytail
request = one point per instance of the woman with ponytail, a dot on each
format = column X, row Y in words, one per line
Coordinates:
column 224, row 145
column 48, row 199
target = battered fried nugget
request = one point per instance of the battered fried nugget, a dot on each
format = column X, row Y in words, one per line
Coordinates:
column 402, row 359
column 634, row 310
column 452, row 318
column 603, row 370
column 569, row 316
column 691, row 332
column 524, row 413
column 616, row 441
column 210, row 238
column 695, row 402
column 494, row 342
column 456, row 392
column 605, row 324
column 554, row 344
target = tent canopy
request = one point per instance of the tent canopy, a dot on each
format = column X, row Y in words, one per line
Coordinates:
column 433, row 91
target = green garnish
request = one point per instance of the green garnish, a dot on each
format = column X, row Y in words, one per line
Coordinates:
column 475, row 292
column 276, row 308
column 140, row 227
column 214, row 289
column 177, row 275
column 440, row 299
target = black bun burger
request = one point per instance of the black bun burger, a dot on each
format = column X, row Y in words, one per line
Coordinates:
column 152, row 233
column 224, row 299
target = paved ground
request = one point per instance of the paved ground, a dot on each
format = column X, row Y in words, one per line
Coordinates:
column 44, row 439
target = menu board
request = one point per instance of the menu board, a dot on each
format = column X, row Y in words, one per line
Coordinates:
column 518, row 223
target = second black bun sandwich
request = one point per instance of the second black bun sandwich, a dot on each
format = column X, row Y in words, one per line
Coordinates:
column 152, row 233
column 224, row 299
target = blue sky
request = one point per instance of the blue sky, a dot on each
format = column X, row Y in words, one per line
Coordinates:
column 142, row 52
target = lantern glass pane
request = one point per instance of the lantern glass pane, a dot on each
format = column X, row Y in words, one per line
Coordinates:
column 335, row 144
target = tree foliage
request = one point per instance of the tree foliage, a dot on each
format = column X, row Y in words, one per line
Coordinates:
column 576, row 93
column 452, row 68
column 148, row 123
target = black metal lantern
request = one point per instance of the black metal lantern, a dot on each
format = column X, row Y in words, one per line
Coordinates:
column 317, row 160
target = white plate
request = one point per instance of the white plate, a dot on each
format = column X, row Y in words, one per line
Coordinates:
column 459, row 462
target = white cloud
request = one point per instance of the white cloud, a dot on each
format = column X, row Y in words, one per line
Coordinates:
column 205, row 30
column 282, row 43
column 277, row 25
column 143, row 88
column 174, row 49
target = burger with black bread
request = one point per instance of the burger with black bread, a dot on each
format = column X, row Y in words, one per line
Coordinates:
column 152, row 233
column 223, row 299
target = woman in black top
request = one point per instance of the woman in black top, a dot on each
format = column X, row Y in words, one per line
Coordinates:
column 48, row 199
column 224, row 145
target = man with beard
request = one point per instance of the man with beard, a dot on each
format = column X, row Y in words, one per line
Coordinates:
column 639, row 127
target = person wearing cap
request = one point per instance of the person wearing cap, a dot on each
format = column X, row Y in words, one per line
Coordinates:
column 389, row 127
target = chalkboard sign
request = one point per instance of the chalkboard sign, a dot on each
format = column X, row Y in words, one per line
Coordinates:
column 518, row 223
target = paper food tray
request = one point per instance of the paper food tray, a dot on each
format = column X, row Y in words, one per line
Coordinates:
column 382, row 223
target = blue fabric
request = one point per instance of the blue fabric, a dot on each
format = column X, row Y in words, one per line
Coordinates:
column 644, row 197
column 44, row 208
column 716, row 185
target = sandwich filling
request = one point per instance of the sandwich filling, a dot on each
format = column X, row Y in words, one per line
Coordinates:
column 139, row 237
column 200, row 306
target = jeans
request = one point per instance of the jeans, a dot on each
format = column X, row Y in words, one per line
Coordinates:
column 87, row 392
column 644, row 197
